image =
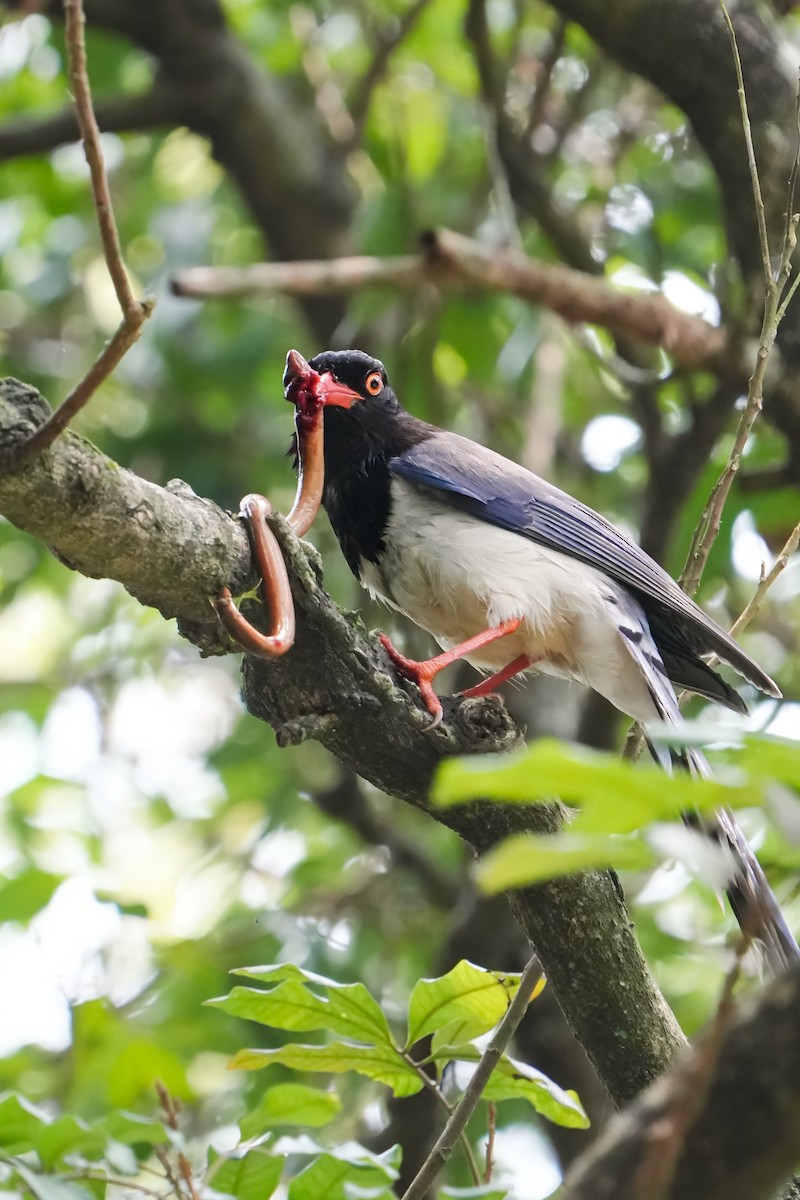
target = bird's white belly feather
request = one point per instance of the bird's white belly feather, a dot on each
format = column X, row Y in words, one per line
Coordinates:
column 455, row 576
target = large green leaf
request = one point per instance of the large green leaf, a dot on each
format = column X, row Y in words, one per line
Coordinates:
column 302, row 1001
column 381, row 1063
column 529, row 858
column 347, row 1172
column 469, row 997
column 20, row 1124
column 290, row 1104
column 513, row 1080
column 614, row 796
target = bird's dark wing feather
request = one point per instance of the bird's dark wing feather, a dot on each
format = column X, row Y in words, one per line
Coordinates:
column 493, row 489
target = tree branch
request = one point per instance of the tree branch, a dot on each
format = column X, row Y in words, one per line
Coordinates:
column 173, row 550
column 452, row 261
column 745, row 1140
column 124, row 114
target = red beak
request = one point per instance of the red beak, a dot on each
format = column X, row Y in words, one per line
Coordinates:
column 304, row 386
column 334, row 394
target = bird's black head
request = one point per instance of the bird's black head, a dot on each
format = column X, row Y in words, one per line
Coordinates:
column 362, row 415
column 356, row 379
column 365, row 428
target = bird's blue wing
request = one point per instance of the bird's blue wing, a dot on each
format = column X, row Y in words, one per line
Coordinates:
column 493, row 489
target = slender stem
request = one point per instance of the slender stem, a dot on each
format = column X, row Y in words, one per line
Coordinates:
column 75, row 22
column 134, row 312
column 490, row 1140
column 466, row 1106
column 757, row 599
column 751, row 154
column 436, row 1091
column 112, row 354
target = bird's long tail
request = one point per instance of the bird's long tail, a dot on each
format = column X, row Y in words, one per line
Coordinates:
column 751, row 898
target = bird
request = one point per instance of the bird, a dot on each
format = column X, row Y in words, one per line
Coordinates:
column 512, row 574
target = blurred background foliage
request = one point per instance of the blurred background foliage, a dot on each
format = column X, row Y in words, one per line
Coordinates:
column 152, row 837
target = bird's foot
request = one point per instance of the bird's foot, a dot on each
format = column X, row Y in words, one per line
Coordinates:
column 420, row 673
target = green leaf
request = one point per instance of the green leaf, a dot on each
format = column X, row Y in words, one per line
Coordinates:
column 348, row 1171
column 468, row 998
column 255, row 1176
column 381, row 1063
column 131, row 1128
column 50, row 1187
column 22, row 897
column 290, row 1104
column 614, row 796
column 513, row 1080
column 771, row 757
column 68, row 1134
column 20, row 1124
column 529, row 858
column 303, row 1001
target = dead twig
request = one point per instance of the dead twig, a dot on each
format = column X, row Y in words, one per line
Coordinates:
column 757, row 599
column 134, row 312
column 708, row 526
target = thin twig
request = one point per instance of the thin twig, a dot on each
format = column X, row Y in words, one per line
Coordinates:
column 74, row 28
column 490, row 1140
column 185, row 1169
column 466, row 1106
column 708, row 526
column 757, row 599
column 435, row 1090
column 763, row 237
column 547, row 65
column 134, row 312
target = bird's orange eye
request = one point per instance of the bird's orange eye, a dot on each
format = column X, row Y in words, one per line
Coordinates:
column 374, row 383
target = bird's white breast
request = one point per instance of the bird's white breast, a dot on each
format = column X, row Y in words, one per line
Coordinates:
column 456, row 576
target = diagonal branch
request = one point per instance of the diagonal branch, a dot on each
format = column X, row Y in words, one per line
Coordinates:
column 173, row 550
column 453, row 262
column 134, row 312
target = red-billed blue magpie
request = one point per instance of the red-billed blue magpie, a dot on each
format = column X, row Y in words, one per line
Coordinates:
column 509, row 572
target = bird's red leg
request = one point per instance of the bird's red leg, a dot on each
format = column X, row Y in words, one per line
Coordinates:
column 423, row 673
column 487, row 686
column 266, row 551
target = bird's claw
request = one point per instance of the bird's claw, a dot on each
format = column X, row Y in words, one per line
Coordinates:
column 420, row 673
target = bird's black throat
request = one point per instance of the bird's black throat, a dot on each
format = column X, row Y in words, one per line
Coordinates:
column 360, row 442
